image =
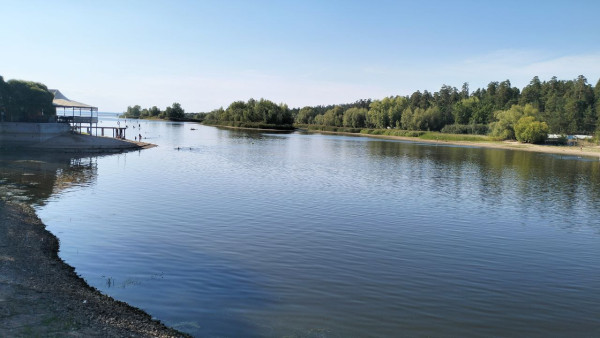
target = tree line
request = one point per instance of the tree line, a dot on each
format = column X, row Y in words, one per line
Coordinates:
column 500, row 110
column 174, row 112
column 252, row 113
column 555, row 106
column 25, row 101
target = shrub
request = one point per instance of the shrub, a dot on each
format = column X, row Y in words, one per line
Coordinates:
column 528, row 130
column 504, row 126
column 475, row 129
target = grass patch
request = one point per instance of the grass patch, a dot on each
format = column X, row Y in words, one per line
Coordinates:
column 252, row 125
column 423, row 135
column 436, row 136
column 328, row 128
column 393, row 132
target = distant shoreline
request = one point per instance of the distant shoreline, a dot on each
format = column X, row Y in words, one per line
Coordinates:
column 592, row 151
column 249, row 128
column 586, row 151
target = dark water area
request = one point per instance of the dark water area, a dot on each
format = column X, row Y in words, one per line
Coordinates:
column 234, row 233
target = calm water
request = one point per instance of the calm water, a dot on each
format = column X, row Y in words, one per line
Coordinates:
column 235, row 233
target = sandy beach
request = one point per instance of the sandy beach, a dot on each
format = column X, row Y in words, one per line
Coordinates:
column 41, row 296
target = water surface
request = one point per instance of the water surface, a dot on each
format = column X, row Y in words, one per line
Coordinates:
column 237, row 233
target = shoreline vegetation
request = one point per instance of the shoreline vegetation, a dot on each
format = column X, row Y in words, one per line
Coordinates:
column 41, row 295
column 551, row 109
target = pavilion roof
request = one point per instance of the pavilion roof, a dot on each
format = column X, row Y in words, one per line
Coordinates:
column 62, row 101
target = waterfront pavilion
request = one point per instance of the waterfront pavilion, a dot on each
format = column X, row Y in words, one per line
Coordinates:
column 78, row 114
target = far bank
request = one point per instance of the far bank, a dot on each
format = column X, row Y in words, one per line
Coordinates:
column 587, row 150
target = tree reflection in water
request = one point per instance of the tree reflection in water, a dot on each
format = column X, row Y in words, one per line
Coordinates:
column 33, row 176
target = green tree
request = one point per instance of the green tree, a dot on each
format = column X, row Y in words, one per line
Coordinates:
column 154, row 111
column 334, row 117
column 319, row 119
column 415, row 100
column 427, row 100
column 505, row 120
column 355, row 117
column 506, row 96
column 464, row 92
column 394, row 107
column 597, row 98
column 133, row 112
column 533, row 94
column 421, row 100
column 422, row 119
column 4, row 95
column 528, row 130
column 239, row 111
column 555, row 114
column 214, row 115
column 387, row 112
column 175, row 112
column 489, row 95
column 306, row 115
column 27, row 101
column 465, row 109
column 445, row 100
column 377, row 116
column 579, row 106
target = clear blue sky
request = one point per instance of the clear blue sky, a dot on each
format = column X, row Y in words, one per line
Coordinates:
column 206, row 54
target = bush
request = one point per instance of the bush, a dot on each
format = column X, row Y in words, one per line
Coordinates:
column 393, row 132
column 475, row 129
column 250, row 125
column 434, row 135
column 504, row 126
column 528, row 130
column 329, row 128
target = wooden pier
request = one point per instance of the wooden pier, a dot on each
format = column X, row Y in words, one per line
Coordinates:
column 117, row 132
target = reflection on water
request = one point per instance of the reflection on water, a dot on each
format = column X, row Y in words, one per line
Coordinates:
column 534, row 180
column 233, row 233
column 34, row 176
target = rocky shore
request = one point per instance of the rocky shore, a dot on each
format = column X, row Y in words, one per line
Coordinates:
column 41, row 296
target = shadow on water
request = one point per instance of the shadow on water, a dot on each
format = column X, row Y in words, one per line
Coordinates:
column 34, row 176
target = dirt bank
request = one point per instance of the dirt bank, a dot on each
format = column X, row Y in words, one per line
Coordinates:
column 40, row 295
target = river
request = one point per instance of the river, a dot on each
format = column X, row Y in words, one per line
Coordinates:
column 229, row 233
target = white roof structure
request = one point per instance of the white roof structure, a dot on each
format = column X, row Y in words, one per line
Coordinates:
column 61, row 101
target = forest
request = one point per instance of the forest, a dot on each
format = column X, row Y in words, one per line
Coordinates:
column 174, row 112
column 25, row 101
column 253, row 114
column 500, row 110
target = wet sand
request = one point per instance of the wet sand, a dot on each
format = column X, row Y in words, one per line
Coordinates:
column 41, row 296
